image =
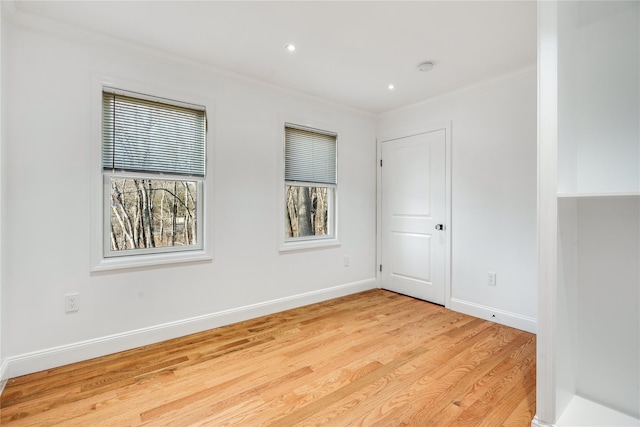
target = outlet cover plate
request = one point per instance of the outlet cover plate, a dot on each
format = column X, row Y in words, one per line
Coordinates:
column 71, row 303
column 491, row 278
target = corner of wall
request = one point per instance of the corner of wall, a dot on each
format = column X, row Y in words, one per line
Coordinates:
column 2, row 358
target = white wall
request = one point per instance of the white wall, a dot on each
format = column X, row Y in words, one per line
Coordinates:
column 607, row 354
column 48, row 199
column 493, row 193
column 598, row 103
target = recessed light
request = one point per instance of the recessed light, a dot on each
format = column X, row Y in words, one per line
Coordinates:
column 291, row 47
column 391, row 87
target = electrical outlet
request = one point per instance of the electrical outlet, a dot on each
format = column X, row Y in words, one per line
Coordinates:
column 346, row 260
column 491, row 278
column 71, row 303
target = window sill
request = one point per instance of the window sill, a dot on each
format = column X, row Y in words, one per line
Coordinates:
column 136, row 261
column 309, row 244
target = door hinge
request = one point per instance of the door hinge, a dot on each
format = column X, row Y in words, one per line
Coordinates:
column 380, row 267
column 380, row 162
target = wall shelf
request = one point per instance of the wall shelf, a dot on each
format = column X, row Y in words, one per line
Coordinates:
column 584, row 412
column 589, row 240
column 597, row 195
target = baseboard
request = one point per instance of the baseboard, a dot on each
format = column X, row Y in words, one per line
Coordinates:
column 537, row 423
column 23, row 364
column 3, row 381
column 513, row 320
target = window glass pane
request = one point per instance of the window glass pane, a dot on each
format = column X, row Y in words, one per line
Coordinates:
column 152, row 213
column 308, row 211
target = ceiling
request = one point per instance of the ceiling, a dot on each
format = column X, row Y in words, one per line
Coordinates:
column 347, row 52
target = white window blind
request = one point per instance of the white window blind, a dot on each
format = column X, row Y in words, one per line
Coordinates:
column 146, row 135
column 310, row 155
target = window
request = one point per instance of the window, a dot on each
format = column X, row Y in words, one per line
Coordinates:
column 310, row 183
column 153, row 162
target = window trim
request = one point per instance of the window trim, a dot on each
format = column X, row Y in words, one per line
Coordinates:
column 98, row 261
column 293, row 244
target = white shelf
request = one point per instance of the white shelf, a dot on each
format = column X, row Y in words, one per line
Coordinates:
column 583, row 412
column 597, row 195
column 588, row 214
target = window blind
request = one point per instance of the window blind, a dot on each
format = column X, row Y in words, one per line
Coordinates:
column 146, row 135
column 310, row 155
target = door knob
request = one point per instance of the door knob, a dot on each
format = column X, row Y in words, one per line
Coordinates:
column 439, row 226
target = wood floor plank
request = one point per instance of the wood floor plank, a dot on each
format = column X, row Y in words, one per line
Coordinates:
column 351, row 388
column 461, row 399
column 447, row 372
column 523, row 412
column 522, row 374
column 292, row 400
column 459, row 374
column 373, row 358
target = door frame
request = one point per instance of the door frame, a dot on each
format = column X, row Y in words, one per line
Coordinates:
column 404, row 133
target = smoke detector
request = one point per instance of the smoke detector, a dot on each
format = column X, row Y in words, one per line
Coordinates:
column 426, row 66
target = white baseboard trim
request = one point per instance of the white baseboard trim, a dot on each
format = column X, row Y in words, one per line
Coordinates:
column 537, row 423
column 23, row 364
column 3, row 381
column 513, row 320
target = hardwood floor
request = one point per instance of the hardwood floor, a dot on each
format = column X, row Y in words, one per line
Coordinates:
column 371, row 359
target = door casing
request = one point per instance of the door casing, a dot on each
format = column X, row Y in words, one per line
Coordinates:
column 403, row 133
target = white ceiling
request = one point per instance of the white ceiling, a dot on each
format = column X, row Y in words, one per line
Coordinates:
column 347, row 52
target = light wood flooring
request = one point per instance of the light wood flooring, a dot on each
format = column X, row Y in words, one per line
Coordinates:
column 370, row 359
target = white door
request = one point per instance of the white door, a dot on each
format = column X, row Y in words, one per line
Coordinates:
column 413, row 211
